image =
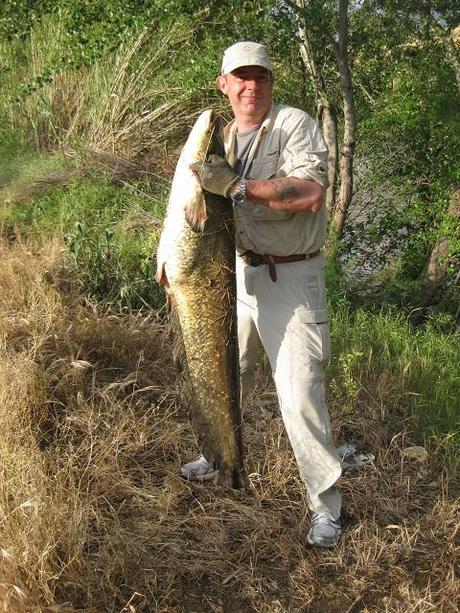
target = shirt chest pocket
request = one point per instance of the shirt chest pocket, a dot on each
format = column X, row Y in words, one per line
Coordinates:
column 266, row 169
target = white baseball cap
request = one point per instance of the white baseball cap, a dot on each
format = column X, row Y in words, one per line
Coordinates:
column 245, row 53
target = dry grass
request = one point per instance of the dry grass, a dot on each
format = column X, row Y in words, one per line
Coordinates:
column 121, row 106
column 93, row 516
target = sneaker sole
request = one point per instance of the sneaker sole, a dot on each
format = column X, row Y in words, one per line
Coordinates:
column 200, row 478
column 323, row 546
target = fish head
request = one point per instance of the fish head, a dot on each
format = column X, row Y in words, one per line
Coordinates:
column 206, row 137
column 192, row 212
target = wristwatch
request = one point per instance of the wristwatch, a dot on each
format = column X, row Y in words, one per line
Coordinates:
column 239, row 195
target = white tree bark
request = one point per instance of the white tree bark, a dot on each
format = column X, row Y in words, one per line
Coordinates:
column 325, row 111
column 348, row 144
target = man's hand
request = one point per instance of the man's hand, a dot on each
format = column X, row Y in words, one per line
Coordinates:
column 215, row 174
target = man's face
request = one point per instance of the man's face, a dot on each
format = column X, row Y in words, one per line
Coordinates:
column 249, row 90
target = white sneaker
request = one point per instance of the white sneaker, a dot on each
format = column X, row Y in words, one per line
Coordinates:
column 324, row 532
column 198, row 470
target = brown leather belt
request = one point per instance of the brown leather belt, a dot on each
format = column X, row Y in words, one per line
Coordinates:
column 256, row 259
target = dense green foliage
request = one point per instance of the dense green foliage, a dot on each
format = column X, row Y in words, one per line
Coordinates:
column 409, row 128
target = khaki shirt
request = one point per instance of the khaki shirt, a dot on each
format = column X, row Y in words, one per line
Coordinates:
column 287, row 144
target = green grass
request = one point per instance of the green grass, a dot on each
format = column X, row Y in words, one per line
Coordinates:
column 379, row 359
column 110, row 233
column 415, row 373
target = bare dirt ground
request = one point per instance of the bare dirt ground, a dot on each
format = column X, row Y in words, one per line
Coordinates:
column 93, row 514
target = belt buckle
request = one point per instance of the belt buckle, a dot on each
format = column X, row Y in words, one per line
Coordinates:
column 253, row 259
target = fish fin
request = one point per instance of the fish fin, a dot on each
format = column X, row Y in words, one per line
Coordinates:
column 196, row 213
column 160, row 276
column 232, row 477
column 175, row 332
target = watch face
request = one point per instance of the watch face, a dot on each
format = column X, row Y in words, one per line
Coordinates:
column 239, row 195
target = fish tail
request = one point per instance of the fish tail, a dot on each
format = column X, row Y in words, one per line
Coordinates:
column 233, row 477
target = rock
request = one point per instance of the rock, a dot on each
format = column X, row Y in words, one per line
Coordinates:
column 417, row 452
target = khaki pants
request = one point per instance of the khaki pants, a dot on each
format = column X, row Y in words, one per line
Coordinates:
column 289, row 318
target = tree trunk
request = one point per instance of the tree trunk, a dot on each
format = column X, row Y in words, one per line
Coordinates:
column 328, row 120
column 348, row 145
column 325, row 112
column 437, row 264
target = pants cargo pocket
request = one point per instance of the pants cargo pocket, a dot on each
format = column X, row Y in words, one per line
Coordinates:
column 315, row 340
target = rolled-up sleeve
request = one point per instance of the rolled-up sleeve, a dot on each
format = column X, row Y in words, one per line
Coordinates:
column 304, row 152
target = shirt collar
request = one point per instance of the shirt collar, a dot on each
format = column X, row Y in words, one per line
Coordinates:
column 230, row 129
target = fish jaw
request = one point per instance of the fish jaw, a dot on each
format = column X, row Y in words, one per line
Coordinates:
column 200, row 138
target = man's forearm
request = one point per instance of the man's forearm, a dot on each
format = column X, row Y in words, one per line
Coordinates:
column 286, row 194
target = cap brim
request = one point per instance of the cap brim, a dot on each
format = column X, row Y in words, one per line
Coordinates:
column 239, row 64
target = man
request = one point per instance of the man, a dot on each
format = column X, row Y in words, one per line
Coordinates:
column 275, row 173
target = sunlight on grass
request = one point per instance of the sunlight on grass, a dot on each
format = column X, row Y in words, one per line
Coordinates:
column 421, row 368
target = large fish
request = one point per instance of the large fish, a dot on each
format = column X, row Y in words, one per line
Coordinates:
column 196, row 264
